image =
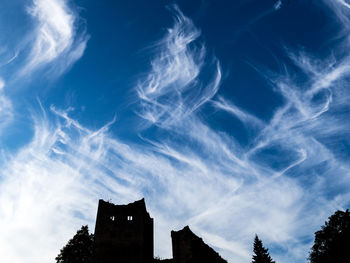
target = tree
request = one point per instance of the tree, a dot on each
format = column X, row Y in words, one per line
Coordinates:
column 261, row 254
column 79, row 249
column 332, row 242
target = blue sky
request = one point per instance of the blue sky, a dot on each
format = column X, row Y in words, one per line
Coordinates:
column 231, row 117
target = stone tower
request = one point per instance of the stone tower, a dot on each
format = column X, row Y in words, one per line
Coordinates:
column 123, row 233
column 189, row 248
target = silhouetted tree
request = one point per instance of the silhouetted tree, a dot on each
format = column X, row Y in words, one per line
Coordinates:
column 79, row 249
column 261, row 254
column 332, row 242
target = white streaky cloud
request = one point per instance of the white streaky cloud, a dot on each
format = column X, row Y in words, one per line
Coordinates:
column 278, row 5
column 256, row 19
column 6, row 108
column 324, row 73
column 240, row 252
column 301, row 112
column 340, row 8
column 172, row 89
column 8, row 60
column 2, row 84
column 243, row 116
column 344, row 3
column 57, row 37
column 302, row 158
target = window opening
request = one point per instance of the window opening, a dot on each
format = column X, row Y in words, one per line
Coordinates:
column 129, row 218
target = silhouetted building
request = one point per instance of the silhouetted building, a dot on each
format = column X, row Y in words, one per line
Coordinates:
column 123, row 233
column 189, row 248
column 168, row 260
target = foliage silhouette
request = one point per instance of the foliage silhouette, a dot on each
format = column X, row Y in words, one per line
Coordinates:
column 332, row 242
column 79, row 249
column 261, row 254
column 157, row 259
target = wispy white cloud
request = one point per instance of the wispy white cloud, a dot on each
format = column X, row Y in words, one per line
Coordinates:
column 7, row 60
column 57, row 37
column 56, row 42
column 278, row 5
column 344, row 3
column 172, row 89
column 6, row 109
column 340, row 8
column 243, row 116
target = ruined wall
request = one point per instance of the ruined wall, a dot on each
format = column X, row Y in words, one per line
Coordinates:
column 123, row 233
column 189, row 248
column 168, row 260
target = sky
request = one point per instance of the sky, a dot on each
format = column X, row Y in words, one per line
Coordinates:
column 232, row 117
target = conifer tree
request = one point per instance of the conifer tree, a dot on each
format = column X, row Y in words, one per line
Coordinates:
column 261, row 254
column 79, row 249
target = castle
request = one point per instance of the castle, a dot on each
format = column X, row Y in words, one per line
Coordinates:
column 124, row 234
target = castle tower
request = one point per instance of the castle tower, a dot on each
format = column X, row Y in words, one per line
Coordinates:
column 189, row 248
column 123, row 233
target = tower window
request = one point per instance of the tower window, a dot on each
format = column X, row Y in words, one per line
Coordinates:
column 129, row 218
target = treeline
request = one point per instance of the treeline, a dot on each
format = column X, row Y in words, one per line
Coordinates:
column 331, row 245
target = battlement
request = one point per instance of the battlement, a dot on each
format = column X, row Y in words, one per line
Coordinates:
column 109, row 212
column 123, row 233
